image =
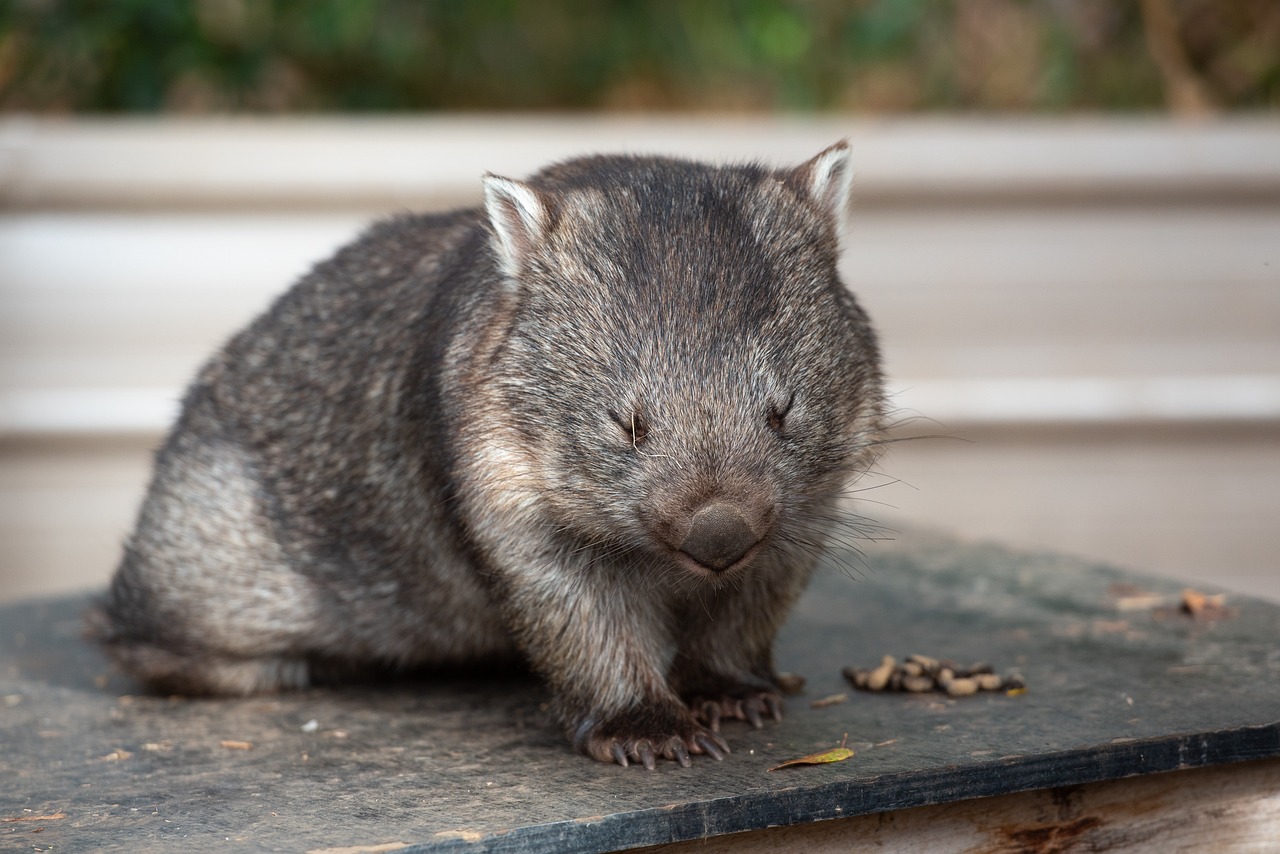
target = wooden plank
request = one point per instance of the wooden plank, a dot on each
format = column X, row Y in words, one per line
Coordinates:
column 472, row 763
column 1071, row 292
column 65, row 509
column 1033, row 316
column 1195, row 504
column 308, row 161
column 1234, row 808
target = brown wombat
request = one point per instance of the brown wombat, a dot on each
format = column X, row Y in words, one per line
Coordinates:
column 602, row 424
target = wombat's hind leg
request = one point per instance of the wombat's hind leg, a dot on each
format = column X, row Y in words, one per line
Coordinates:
column 749, row 705
column 171, row 670
column 200, row 674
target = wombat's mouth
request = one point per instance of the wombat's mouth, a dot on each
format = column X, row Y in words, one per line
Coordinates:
column 721, row 568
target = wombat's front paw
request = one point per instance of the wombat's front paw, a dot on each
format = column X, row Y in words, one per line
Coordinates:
column 645, row 737
column 750, row 706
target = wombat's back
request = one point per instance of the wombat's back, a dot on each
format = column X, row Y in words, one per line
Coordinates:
column 297, row 515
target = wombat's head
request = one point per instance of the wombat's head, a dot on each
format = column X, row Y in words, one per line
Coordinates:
column 693, row 378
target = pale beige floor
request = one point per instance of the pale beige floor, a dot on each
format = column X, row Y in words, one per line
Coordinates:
column 1199, row 505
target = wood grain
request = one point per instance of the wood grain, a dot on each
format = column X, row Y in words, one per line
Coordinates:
column 1226, row 809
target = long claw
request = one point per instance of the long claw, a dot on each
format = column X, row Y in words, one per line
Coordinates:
column 619, row 755
column 713, row 716
column 681, row 754
column 753, row 714
column 712, row 745
column 775, row 707
column 645, row 753
column 709, row 747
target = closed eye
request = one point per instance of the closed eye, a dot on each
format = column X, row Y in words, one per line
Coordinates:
column 633, row 426
column 778, row 415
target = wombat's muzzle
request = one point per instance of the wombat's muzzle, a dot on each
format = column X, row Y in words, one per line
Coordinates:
column 719, row 536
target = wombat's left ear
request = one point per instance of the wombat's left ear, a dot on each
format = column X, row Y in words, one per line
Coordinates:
column 826, row 179
column 519, row 219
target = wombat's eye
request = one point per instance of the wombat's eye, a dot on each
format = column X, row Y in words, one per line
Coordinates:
column 633, row 426
column 778, row 414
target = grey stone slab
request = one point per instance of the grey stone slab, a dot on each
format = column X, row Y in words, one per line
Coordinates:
column 470, row 762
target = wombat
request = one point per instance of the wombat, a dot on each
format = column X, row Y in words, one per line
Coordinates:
column 601, row 424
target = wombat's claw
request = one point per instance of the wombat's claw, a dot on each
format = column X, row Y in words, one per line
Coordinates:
column 646, row 751
column 712, row 745
column 708, row 712
column 750, row 708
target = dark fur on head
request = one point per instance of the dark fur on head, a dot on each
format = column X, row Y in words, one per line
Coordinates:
column 603, row 424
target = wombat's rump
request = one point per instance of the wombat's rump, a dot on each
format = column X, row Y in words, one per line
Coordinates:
column 602, row 424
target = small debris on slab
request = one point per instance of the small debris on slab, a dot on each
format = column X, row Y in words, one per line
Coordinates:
column 921, row 674
column 1202, row 606
column 829, row 700
column 1131, row 597
column 790, row 683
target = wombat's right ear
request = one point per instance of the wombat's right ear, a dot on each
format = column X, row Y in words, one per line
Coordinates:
column 826, row 179
column 519, row 218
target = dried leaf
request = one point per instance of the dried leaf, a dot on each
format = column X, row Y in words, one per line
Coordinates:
column 53, row 817
column 1193, row 601
column 835, row 754
column 237, row 745
column 830, row 700
column 1203, row 606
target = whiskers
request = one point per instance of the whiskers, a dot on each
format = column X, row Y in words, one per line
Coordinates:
column 826, row 526
column 899, row 426
column 836, row 535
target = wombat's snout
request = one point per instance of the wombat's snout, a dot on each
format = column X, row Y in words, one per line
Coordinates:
column 720, row 535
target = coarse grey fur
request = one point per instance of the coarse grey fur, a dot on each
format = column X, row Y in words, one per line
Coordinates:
column 601, row 424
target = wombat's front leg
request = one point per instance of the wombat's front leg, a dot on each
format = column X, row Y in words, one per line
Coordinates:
column 724, row 665
column 644, row 733
column 605, row 650
column 741, row 686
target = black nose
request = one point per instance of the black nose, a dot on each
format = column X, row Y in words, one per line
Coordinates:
column 718, row 536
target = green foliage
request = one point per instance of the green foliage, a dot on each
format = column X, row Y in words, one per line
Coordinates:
column 734, row 55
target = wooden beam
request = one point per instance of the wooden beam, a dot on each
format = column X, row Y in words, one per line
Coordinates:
column 1223, row 808
column 370, row 162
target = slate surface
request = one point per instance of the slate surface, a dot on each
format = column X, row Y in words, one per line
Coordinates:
column 472, row 764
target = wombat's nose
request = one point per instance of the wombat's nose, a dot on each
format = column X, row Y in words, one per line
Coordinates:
column 718, row 536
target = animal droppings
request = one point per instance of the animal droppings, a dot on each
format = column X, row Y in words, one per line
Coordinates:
column 920, row 674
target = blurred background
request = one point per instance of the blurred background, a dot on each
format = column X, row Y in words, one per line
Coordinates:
column 756, row 56
column 1066, row 223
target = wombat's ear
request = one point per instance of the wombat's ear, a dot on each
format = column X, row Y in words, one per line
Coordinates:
column 826, row 179
column 519, row 218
